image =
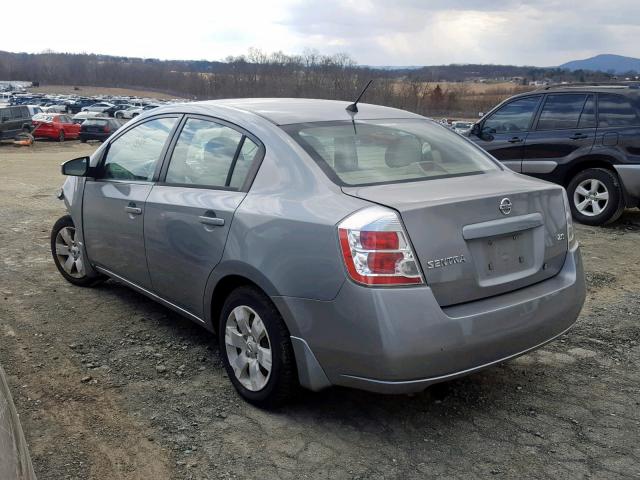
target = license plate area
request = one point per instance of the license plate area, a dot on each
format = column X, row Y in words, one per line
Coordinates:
column 508, row 257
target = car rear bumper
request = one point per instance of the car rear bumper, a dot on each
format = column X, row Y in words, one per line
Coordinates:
column 94, row 136
column 399, row 340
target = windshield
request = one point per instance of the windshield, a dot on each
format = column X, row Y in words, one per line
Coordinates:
column 387, row 151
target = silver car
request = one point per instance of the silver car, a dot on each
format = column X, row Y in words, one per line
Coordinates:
column 366, row 247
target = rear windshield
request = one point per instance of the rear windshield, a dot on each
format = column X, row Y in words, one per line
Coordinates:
column 100, row 123
column 370, row 152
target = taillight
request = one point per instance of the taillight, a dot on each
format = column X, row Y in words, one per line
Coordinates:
column 376, row 249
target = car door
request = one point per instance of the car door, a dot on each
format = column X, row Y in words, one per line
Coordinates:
column 189, row 212
column 618, row 126
column 503, row 132
column 565, row 130
column 114, row 201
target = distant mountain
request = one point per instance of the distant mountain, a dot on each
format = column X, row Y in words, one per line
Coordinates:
column 605, row 63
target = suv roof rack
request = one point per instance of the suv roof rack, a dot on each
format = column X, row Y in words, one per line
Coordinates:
column 623, row 84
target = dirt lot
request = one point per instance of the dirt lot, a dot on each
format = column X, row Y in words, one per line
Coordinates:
column 82, row 364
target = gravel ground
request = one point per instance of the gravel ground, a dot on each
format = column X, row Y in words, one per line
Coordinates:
column 111, row 385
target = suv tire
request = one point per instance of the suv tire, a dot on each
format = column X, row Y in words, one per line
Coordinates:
column 595, row 196
column 63, row 236
column 252, row 336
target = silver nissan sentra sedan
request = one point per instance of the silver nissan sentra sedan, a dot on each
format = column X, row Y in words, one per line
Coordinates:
column 365, row 246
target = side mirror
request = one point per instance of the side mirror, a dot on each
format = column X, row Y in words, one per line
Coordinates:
column 78, row 167
column 487, row 133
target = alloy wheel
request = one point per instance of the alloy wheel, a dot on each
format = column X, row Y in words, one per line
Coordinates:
column 591, row 197
column 248, row 348
column 69, row 253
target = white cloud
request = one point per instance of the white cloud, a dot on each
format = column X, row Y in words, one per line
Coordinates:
column 375, row 32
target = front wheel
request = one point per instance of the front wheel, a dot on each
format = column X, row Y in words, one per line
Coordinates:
column 595, row 196
column 67, row 254
column 256, row 349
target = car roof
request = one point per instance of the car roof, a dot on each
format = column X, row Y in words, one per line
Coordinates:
column 284, row 111
column 631, row 91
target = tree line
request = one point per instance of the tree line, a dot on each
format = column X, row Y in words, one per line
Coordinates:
column 429, row 91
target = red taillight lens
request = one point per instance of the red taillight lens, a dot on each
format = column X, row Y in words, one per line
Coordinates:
column 379, row 240
column 383, row 262
column 375, row 249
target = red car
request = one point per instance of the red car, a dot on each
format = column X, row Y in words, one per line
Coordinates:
column 56, row 126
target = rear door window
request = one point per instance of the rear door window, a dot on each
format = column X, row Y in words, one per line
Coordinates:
column 616, row 111
column 513, row 117
column 561, row 111
column 204, row 154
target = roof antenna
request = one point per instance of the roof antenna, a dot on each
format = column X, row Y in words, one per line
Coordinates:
column 353, row 108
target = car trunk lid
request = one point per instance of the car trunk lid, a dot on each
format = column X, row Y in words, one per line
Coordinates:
column 468, row 247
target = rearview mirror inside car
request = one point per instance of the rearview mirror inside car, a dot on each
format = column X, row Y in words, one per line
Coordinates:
column 78, row 167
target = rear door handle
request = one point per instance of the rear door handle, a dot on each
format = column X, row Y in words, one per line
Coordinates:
column 132, row 209
column 578, row 136
column 209, row 218
column 515, row 140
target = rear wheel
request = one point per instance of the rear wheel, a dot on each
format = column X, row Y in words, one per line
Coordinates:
column 256, row 349
column 67, row 254
column 595, row 196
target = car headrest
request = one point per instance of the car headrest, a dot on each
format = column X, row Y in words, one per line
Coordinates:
column 403, row 151
column 345, row 155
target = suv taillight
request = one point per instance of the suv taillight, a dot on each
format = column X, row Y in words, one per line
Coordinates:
column 376, row 249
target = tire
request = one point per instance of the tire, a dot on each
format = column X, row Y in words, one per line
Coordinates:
column 61, row 136
column 281, row 381
column 118, row 115
column 587, row 192
column 73, row 274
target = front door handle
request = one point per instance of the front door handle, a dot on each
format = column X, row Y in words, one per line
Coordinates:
column 209, row 218
column 515, row 140
column 578, row 136
column 132, row 209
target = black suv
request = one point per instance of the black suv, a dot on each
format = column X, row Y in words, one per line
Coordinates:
column 14, row 120
column 586, row 138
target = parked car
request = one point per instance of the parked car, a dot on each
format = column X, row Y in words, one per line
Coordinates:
column 374, row 250
column 111, row 111
column 463, row 128
column 14, row 120
column 34, row 110
column 15, row 460
column 78, row 105
column 134, row 111
column 98, row 107
column 55, row 108
column 98, row 128
column 82, row 116
column 586, row 138
column 56, row 127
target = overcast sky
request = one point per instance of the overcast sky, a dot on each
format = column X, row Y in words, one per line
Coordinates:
column 373, row 32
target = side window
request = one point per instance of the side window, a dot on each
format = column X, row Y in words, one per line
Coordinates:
column 204, row 154
column 588, row 116
column 616, row 111
column 561, row 112
column 134, row 155
column 16, row 113
column 246, row 157
column 514, row 116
